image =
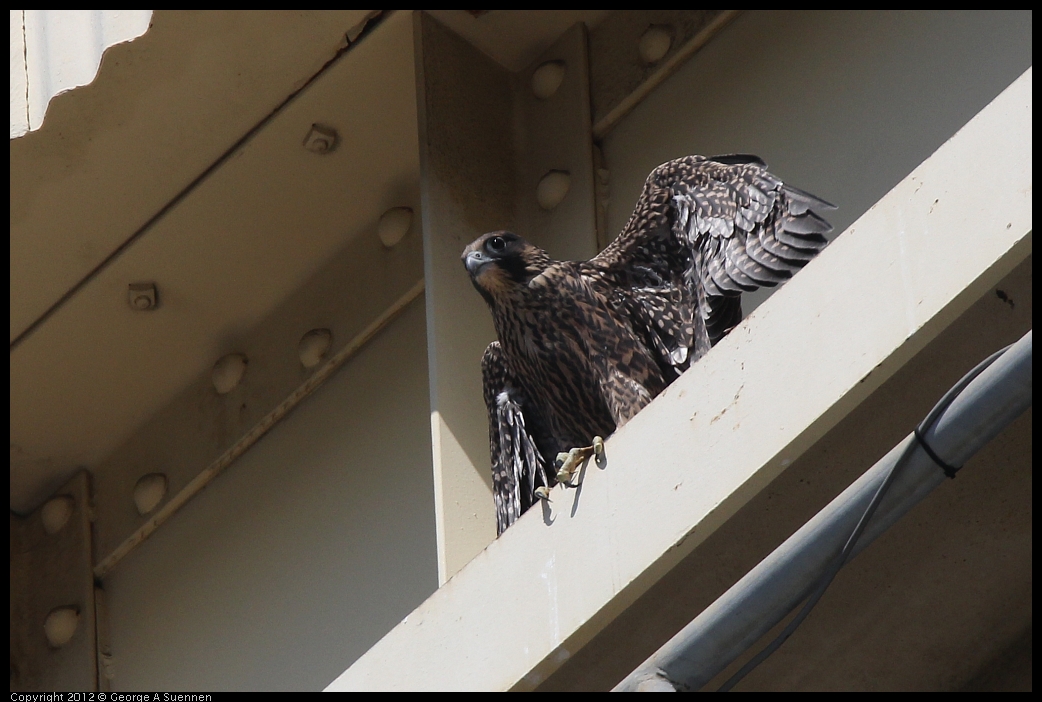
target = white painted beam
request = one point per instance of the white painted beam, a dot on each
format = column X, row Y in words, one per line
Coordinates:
column 463, row 104
column 239, row 270
column 886, row 287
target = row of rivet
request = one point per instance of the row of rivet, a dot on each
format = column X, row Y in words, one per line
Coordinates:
column 226, row 375
column 61, row 623
column 394, row 224
column 229, row 370
column 547, row 79
column 554, row 185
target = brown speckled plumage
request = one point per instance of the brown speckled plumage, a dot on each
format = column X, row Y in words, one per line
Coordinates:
column 584, row 345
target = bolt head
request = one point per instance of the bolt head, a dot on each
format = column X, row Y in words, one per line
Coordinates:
column 149, row 492
column 655, row 43
column 547, row 79
column 552, row 188
column 56, row 512
column 228, row 372
column 313, row 347
column 321, row 139
column 142, row 297
column 394, row 224
column 60, row 625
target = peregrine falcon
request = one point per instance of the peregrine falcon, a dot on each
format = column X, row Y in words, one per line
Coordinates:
column 584, row 345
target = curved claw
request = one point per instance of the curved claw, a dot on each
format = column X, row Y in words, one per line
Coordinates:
column 598, row 445
column 569, row 465
column 571, row 462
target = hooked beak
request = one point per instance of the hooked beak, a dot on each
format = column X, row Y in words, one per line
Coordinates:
column 475, row 261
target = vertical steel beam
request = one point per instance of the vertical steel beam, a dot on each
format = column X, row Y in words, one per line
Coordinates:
column 555, row 136
column 467, row 187
column 53, row 625
column 486, row 142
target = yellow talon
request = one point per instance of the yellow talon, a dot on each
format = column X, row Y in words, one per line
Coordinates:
column 571, row 462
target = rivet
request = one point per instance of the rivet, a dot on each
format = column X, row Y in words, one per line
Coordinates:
column 552, row 188
column 60, row 625
column 228, row 372
column 394, row 224
column 655, row 42
column 547, row 79
column 56, row 512
column 142, row 296
column 321, row 139
column 149, row 492
column 313, row 347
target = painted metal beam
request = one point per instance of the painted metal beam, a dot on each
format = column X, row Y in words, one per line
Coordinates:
column 770, row 591
column 487, row 141
column 53, row 625
column 633, row 52
column 314, row 264
column 722, row 432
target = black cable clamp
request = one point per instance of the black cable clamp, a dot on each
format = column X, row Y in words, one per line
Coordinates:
column 948, row 470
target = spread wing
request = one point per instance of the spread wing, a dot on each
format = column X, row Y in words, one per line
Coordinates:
column 517, row 466
column 715, row 227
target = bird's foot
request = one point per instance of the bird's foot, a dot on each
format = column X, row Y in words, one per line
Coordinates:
column 569, row 463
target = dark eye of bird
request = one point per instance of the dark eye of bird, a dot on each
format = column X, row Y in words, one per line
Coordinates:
column 497, row 244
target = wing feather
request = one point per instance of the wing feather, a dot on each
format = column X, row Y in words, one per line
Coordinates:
column 518, row 467
column 721, row 226
column 704, row 231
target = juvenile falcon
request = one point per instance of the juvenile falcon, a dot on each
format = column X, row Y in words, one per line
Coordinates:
column 584, row 345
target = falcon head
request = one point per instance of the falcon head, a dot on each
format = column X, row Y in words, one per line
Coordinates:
column 500, row 263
